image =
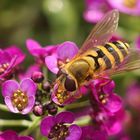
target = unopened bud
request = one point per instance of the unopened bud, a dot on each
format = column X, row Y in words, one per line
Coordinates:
column 38, row 110
column 37, row 77
column 46, row 86
column 52, row 109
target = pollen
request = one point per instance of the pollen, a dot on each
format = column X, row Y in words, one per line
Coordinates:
column 59, row 132
column 130, row 3
column 3, row 67
column 104, row 101
column 19, row 100
column 103, row 98
column 62, row 96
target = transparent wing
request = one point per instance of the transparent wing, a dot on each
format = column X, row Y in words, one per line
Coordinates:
column 130, row 63
column 102, row 31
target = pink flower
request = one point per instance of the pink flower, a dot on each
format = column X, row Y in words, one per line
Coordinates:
column 38, row 51
column 12, row 135
column 10, row 58
column 133, row 96
column 126, row 6
column 66, row 97
column 95, row 10
column 64, row 52
column 102, row 90
column 59, row 126
column 19, row 97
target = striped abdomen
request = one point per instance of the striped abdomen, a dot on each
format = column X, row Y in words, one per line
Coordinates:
column 109, row 55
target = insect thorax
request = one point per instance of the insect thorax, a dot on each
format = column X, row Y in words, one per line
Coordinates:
column 80, row 70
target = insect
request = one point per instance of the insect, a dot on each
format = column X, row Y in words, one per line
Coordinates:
column 96, row 58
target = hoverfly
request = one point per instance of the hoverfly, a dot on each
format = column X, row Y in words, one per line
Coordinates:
column 96, row 58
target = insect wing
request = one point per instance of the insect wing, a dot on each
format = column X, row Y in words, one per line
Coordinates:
column 102, row 31
column 130, row 63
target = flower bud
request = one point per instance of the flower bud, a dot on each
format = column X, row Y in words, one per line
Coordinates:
column 37, row 77
column 38, row 110
column 52, row 109
column 46, row 86
column 39, row 95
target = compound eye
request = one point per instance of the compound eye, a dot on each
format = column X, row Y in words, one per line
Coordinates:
column 70, row 84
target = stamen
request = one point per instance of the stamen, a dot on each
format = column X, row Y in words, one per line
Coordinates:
column 19, row 100
column 3, row 67
column 61, row 94
column 103, row 98
column 130, row 3
column 104, row 101
column 59, row 132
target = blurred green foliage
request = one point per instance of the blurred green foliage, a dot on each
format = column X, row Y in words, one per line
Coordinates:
column 51, row 22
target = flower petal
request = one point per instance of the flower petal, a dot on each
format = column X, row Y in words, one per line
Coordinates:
column 9, row 87
column 50, row 49
column 113, row 127
column 32, row 46
column 9, row 134
column 4, row 57
column 109, row 87
column 65, row 117
column 15, row 51
column 114, row 103
column 29, row 71
column 137, row 42
column 31, row 102
column 46, row 125
column 93, row 16
column 28, row 86
column 133, row 9
column 92, row 133
column 75, row 132
column 95, row 9
column 9, row 104
column 51, row 63
column 25, row 138
column 67, row 50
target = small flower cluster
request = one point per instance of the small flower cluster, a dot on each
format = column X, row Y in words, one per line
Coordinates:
column 35, row 94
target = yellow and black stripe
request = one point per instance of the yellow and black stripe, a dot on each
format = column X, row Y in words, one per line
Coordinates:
column 109, row 55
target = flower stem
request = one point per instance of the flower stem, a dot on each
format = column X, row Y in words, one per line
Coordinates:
column 32, row 126
column 45, row 72
column 82, row 121
column 24, row 123
column 3, row 107
column 77, row 105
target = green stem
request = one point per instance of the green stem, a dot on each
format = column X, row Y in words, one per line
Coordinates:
column 45, row 72
column 24, row 123
column 82, row 121
column 77, row 105
column 3, row 107
column 32, row 126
